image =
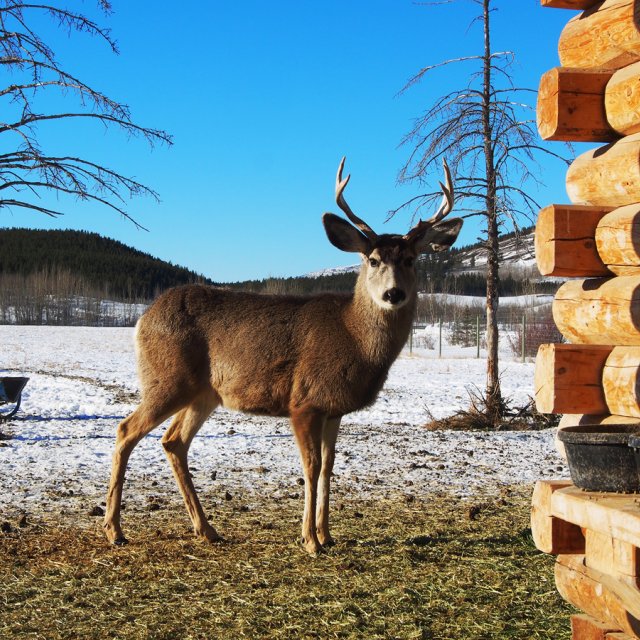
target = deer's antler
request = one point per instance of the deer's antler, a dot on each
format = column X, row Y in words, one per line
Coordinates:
column 446, row 205
column 342, row 203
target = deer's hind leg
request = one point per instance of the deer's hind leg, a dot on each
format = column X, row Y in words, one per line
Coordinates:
column 176, row 442
column 130, row 431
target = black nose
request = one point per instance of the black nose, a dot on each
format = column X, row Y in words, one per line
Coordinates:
column 394, row 296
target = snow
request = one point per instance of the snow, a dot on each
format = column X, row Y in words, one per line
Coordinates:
column 333, row 271
column 83, row 382
column 525, row 301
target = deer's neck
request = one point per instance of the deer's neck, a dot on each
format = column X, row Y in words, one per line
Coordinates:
column 379, row 333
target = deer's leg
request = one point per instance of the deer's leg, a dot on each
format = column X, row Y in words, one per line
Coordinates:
column 130, row 431
column 176, row 442
column 329, row 436
column 307, row 428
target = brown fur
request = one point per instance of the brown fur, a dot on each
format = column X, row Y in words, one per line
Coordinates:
column 313, row 359
column 277, row 353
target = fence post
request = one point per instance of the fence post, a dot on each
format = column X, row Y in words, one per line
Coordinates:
column 440, row 340
column 477, row 336
column 411, row 339
column 524, row 334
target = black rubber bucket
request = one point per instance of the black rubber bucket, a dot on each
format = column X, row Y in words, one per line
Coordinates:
column 10, row 395
column 634, row 445
column 11, row 388
column 600, row 456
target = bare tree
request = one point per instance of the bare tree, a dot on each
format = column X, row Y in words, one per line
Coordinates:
column 488, row 136
column 27, row 170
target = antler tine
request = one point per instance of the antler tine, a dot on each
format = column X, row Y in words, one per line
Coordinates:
column 446, row 205
column 342, row 203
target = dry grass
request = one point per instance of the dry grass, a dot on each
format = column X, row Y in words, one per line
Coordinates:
column 442, row 568
column 486, row 414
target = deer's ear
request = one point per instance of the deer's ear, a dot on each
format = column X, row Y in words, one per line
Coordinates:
column 344, row 236
column 440, row 237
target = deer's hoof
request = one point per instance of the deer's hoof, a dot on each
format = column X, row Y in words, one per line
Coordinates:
column 210, row 535
column 327, row 542
column 312, row 547
column 114, row 534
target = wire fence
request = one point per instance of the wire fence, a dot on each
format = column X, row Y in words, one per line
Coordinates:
column 521, row 334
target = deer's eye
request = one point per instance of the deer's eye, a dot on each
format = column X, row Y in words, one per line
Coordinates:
column 408, row 262
column 373, row 262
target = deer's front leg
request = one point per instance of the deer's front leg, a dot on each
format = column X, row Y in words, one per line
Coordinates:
column 329, row 436
column 307, row 428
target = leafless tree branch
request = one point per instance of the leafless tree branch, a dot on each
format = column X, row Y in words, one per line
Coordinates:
column 27, row 170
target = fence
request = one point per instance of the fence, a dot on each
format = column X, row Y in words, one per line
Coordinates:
column 521, row 337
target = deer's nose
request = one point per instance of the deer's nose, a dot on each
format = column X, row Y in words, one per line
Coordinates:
column 394, row 296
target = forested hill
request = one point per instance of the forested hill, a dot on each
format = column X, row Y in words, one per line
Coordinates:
column 106, row 264
column 107, row 269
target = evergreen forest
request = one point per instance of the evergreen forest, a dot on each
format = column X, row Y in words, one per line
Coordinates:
column 107, row 265
column 75, row 277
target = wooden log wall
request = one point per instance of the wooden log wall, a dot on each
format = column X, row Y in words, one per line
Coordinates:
column 596, row 538
column 594, row 96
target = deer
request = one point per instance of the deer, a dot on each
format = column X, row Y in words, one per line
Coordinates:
column 312, row 359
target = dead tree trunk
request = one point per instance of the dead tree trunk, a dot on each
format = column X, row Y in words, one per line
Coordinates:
column 493, row 392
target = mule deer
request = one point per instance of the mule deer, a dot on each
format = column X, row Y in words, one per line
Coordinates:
column 312, row 359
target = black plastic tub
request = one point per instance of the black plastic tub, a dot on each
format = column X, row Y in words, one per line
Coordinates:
column 600, row 456
column 10, row 395
column 11, row 388
column 634, row 445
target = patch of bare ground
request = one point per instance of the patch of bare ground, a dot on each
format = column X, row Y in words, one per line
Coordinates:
column 438, row 568
column 119, row 394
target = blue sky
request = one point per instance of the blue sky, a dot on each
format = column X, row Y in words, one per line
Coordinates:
column 263, row 99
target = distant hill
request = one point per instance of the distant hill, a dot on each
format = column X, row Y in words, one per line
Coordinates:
column 516, row 254
column 105, row 264
column 462, row 269
column 124, row 273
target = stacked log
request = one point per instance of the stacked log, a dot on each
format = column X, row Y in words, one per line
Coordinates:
column 594, row 96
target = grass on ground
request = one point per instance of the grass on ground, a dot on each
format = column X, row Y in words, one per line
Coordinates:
column 438, row 568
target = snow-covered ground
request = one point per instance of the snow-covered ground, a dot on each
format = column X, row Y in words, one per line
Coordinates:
column 83, row 382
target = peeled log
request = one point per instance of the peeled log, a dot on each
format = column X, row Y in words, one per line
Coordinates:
column 589, row 105
column 584, row 241
column 608, row 176
column 599, row 311
column 620, row 381
column 622, row 100
column 603, row 311
column 571, row 105
column 568, row 378
column 590, row 384
column 598, row 594
column 565, row 241
column 578, row 419
column 617, row 239
column 585, row 627
column 605, row 35
column 550, row 534
column 569, row 4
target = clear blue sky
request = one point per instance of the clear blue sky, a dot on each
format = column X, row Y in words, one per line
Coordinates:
column 263, row 99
